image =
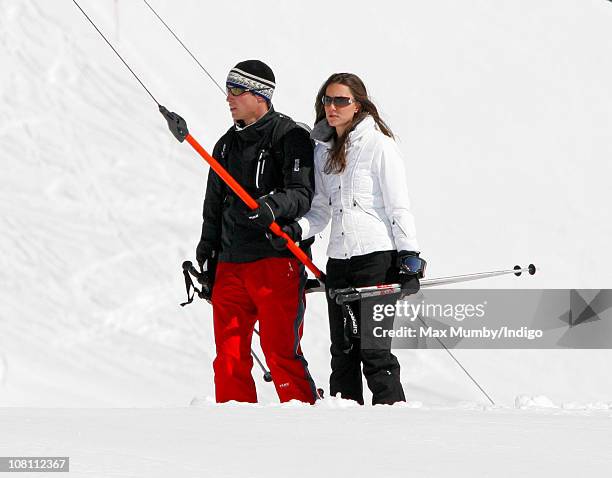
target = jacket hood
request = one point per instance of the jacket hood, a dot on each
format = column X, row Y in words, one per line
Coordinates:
column 324, row 133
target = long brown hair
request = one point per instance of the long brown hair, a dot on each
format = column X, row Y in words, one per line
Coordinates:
column 336, row 161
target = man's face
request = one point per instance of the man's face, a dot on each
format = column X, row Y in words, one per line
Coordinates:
column 245, row 106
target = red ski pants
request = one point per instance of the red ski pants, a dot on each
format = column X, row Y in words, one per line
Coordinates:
column 270, row 291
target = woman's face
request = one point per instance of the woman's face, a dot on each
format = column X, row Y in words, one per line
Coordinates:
column 340, row 116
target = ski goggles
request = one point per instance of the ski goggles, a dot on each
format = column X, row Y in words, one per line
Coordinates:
column 414, row 265
column 238, row 90
column 338, row 101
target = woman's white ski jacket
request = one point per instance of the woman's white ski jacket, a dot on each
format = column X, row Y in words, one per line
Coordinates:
column 368, row 202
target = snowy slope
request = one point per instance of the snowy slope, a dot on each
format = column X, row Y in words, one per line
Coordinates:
column 298, row 441
column 503, row 111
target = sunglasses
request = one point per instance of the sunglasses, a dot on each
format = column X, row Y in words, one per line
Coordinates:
column 338, row 101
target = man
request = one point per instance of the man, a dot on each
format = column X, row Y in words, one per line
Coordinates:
column 272, row 159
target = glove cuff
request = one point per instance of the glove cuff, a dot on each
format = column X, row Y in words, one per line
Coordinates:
column 409, row 262
column 294, row 230
column 268, row 201
column 402, row 254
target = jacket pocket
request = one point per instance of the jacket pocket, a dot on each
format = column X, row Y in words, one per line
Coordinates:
column 398, row 224
column 357, row 204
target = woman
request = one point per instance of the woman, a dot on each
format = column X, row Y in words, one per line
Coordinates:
column 360, row 184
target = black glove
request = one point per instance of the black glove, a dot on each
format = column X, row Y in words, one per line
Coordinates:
column 293, row 230
column 203, row 252
column 207, row 277
column 411, row 269
column 261, row 217
column 207, row 260
column 204, row 277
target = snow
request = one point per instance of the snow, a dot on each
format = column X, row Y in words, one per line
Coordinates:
column 244, row 441
column 503, row 113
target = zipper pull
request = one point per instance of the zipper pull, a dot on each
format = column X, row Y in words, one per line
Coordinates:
column 259, row 170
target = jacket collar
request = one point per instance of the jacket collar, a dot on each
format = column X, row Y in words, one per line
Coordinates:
column 258, row 129
column 324, row 133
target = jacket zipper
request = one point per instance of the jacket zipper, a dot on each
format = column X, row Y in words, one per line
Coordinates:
column 396, row 223
column 261, row 163
column 356, row 203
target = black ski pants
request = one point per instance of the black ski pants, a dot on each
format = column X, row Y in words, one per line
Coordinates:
column 380, row 367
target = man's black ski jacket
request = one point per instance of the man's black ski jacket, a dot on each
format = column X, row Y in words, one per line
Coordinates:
column 272, row 157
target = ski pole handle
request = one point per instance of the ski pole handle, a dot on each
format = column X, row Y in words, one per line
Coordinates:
column 252, row 204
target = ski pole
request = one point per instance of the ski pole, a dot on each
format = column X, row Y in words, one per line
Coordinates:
column 517, row 271
column 178, row 127
column 267, row 375
column 355, row 293
column 474, row 381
